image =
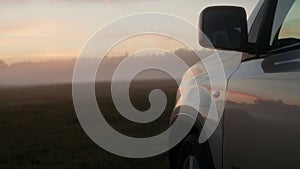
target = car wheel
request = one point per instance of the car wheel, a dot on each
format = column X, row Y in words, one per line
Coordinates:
column 191, row 155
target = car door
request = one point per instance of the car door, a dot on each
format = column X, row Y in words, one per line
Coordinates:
column 262, row 113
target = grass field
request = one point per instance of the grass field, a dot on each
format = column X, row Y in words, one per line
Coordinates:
column 39, row 128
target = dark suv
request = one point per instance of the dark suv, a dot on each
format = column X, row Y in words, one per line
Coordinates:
column 259, row 111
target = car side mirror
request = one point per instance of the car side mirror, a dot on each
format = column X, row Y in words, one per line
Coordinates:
column 224, row 28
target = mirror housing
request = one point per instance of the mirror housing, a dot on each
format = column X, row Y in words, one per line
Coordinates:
column 224, row 28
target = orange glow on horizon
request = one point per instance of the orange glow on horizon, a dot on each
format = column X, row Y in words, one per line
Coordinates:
column 148, row 41
column 35, row 31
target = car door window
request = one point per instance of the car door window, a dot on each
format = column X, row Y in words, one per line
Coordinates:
column 291, row 25
column 290, row 30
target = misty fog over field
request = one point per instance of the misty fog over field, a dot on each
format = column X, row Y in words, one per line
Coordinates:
column 58, row 72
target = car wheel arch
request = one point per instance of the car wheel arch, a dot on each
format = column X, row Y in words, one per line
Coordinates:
column 195, row 130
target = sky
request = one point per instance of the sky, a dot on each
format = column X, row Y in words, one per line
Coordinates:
column 43, row 30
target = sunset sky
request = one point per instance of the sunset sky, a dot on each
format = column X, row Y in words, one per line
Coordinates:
column 42, row 30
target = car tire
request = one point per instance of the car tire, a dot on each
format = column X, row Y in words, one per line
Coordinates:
column 190, row 152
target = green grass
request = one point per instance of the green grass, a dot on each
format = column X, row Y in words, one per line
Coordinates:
column 39, row 128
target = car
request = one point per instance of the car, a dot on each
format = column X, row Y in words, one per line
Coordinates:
column 259, row 123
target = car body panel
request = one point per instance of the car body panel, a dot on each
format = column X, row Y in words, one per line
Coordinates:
column 262, row 112
column 192, row 85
